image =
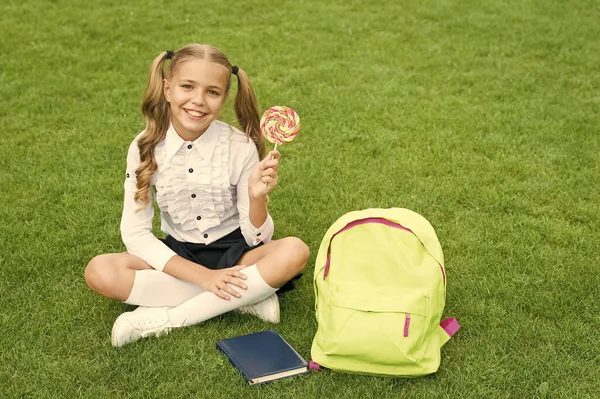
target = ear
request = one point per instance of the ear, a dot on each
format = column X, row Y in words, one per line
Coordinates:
column 166, row 90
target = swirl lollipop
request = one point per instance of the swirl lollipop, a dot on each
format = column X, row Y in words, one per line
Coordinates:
column 280, row 125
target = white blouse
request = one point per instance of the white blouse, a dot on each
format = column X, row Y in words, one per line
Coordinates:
column 201, row 188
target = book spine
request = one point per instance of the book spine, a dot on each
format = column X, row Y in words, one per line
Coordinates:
column 233, row 361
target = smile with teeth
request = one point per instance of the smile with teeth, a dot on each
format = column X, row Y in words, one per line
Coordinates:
column 195, row 114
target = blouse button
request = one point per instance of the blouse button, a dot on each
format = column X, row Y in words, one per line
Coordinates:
column 190, row 170
column 189, row 146
column 127, row 174
column 205, row 235
column 193, row 195
column 198, row 218
column 257, row 234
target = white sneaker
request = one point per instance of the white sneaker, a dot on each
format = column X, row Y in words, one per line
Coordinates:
column 141, row 323
column 267, row 309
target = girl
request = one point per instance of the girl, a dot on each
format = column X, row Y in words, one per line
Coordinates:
column 212, row 193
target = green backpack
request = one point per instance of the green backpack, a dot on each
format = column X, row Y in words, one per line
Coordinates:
column 380, row 288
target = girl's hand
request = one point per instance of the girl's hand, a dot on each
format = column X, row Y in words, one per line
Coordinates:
column 263, row 178
column 221, row 282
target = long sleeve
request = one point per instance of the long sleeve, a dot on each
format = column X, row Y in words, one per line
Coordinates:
column 136, row 226
column 252, row 234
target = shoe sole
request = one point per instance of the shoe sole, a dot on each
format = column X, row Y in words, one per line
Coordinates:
column 278, row 313
column 113, row 335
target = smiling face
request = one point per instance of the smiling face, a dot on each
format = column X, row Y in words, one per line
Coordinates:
column 196, row 93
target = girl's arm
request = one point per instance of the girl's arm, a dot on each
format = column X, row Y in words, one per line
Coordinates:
column 136, row 225
column 252, row 197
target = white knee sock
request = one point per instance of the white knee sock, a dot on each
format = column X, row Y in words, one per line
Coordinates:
column 207, row 305
column 154, row 288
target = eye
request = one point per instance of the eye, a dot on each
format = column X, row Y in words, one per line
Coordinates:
column 213, row 93
column 186, row 86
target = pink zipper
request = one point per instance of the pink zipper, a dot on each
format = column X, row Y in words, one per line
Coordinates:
column 365, row 221
column 406, row 323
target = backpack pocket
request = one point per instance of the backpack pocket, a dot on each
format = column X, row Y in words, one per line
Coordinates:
column 380, row 325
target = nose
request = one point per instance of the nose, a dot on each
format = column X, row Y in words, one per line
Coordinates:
column 198, row 98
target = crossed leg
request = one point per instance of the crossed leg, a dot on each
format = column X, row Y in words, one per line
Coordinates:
column 130, row 279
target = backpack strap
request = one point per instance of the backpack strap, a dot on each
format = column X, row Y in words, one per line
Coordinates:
column 447, row 328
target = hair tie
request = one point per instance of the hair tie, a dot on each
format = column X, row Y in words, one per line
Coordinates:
column 235, row 69
column 170, row 54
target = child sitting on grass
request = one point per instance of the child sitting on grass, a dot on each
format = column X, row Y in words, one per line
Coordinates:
column 211, row 188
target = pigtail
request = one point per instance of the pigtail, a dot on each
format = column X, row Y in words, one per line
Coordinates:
column 246, row 109
column 157, row 113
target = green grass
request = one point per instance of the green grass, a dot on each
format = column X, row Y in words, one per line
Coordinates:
column 483, row 116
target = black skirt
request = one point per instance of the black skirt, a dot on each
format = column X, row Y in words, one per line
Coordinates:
column 221, row 254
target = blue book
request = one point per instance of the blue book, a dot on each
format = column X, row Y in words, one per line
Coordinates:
column 263, row 356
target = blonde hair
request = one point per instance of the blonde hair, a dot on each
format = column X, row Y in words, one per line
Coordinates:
column 157, row 112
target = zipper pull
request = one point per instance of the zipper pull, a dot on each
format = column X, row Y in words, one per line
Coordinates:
column 406, row 324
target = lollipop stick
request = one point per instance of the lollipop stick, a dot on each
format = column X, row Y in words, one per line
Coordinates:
column 272, row 156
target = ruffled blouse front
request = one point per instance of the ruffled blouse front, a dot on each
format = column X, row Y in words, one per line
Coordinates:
column 201, row 191
column 208, row 181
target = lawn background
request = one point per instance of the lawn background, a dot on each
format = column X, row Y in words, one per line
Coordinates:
column 482, row 116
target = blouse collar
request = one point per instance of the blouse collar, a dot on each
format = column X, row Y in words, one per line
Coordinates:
column 207, row 140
